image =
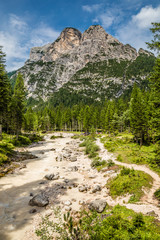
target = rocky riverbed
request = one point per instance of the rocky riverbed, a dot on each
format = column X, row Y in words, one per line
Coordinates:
column 60, row 176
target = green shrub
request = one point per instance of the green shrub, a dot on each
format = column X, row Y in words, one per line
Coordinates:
column 109, row 146
column 118, row 223
column 91, row 148
column 129, row 181
column 6, row 147
column 157, row 194
column 119, row 158
column 54, row 137
column 35, row 137
column 96, row 163
column 127, row 171
column 138, row 220
column 3, row 159
column 5, row 150
column 75, row 136
column 21, row 141
column 110, row 163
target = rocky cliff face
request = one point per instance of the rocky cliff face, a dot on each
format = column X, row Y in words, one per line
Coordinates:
column 52, row 66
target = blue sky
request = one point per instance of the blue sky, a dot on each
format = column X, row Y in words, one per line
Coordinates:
column 28, row 23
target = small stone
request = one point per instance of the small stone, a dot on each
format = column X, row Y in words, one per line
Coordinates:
column 68, row 208
column 61, row 177
column 49, row 176
column 96, row 188
column 82, row 188
column 152, row 214
column 92, row 176
column 14, row 216
column 56, row 177
column 66, row 180
column 73, row 169
column 67, row 203
column 73, row 159
column 33, row 210
column 81, row 202
column 52, row 176
column 43, row 182
column 52, row 149
column 75, row 185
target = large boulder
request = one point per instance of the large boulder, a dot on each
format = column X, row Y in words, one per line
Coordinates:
column 97, row 205
column 39, row 200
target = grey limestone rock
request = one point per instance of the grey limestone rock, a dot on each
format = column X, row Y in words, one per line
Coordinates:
column 96, row 188
column 39, row 200
column 97, row 205
column 52, row 176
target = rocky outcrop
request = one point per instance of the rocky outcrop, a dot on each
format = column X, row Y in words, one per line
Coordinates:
column 52, row 66
column 142, row 51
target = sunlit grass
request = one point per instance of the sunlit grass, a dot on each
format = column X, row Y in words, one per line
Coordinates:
column 126, row 150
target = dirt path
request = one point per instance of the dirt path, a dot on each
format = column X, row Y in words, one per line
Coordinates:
column 148, row 202
column 61, row 156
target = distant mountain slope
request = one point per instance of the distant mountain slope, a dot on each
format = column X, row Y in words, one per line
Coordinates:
column 91, row 65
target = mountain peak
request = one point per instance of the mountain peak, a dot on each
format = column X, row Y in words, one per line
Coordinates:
column 94, row 31
column 69, row 38
column 92, row 56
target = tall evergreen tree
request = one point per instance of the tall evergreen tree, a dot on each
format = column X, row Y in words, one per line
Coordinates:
column 18, row 101
column 4, row 91
column 155, row 99
column 138, row 115
column 155, row 43
column 155, row 83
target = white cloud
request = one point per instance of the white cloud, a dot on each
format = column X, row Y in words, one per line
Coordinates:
column 91, row 8
column 18, row 38
column 16, row 22
column 137, row 32
column 146, row 15
column 106, row 19
column 109, row 17
column 43, row 34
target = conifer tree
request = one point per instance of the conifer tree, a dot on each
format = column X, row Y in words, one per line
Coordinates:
column 155, row 82
column 138, row 115
column 155, row 44
column 87, row 118
column 18, row 102
column 4, row 91
column 155, row 99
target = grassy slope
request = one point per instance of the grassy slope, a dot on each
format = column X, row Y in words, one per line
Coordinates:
column 128, row 151
column 129, row 181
